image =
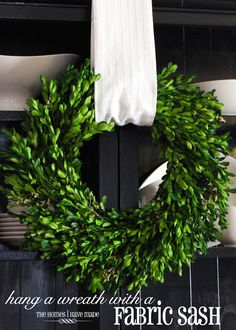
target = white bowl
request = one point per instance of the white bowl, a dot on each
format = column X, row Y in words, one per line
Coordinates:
column 19, row 76
column 225, row 90
column 228, row 236
column 150, row 186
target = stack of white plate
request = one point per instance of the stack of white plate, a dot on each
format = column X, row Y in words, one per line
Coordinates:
column 11, row 230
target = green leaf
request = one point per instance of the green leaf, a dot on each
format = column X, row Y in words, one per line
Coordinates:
column 61, row 174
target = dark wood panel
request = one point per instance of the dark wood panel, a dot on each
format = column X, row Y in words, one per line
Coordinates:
column 90, row 164
column 224, row 53
column 198, row 52
column 40, row 38
column 210, row 4
column 17, row 255
column 128, row 166
column 132, row 294
column 37, row 280
column 174, row 292
column 194, row 17
column 205, row 286
column 164, row 12
column 169, row 46
column 9, row 281
column 11, row 116
column 221, row 252
column 128, row 177
column 149, row 155
column 25, row 12
column 48, row 2
column 108, row 186
column 227, row 268
column 64, row 289
column 108, row 168
column 167, row 3
column 89, row 323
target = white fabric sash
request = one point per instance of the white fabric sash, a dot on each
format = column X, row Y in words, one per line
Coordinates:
column 123, row 52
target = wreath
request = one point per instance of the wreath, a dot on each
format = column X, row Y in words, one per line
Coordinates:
column 110, row 248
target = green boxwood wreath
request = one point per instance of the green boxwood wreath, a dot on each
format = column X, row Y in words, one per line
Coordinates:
column 110, row 248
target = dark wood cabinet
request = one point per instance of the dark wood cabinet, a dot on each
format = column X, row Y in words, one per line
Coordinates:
column 199, row 36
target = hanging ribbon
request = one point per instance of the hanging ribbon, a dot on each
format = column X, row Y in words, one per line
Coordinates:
column 123, row 52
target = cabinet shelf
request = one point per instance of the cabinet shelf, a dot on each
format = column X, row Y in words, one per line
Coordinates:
column 171, row 12
column 17, row 255
column 20, row 255
column 7, row 116
column 220, row 252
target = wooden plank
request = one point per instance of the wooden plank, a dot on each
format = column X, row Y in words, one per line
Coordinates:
column 221, row 252
column 174, row 292
column 89, row 323
column 167, row 3
column 108, row 186
column 194, row 17
column 128, row 178
column 198, row 52
column 149, row 155
column 227, row 275
column 53, row 2
column 137, row 295
column 170, row 14
column 17, row 255
column 128, row 166
column 39, row 38
column 223, row 53
column 64, row 289
column 169, row 46
column 210, row 4
column 41, row 12
column 9, row 281
column 11, row 116
column 205, row 286
column 37, row 280
column 108, row 168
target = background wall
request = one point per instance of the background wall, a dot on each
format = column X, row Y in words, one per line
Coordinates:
column 210, row 53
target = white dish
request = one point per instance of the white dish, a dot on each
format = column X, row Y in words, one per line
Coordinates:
column 225, row 90
column 11, row 225
column 150, row 186
column 13, row 228
column 19, row 76
column 4, row 215
column 12, row 233
column 9, row 220
column 156, row 175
